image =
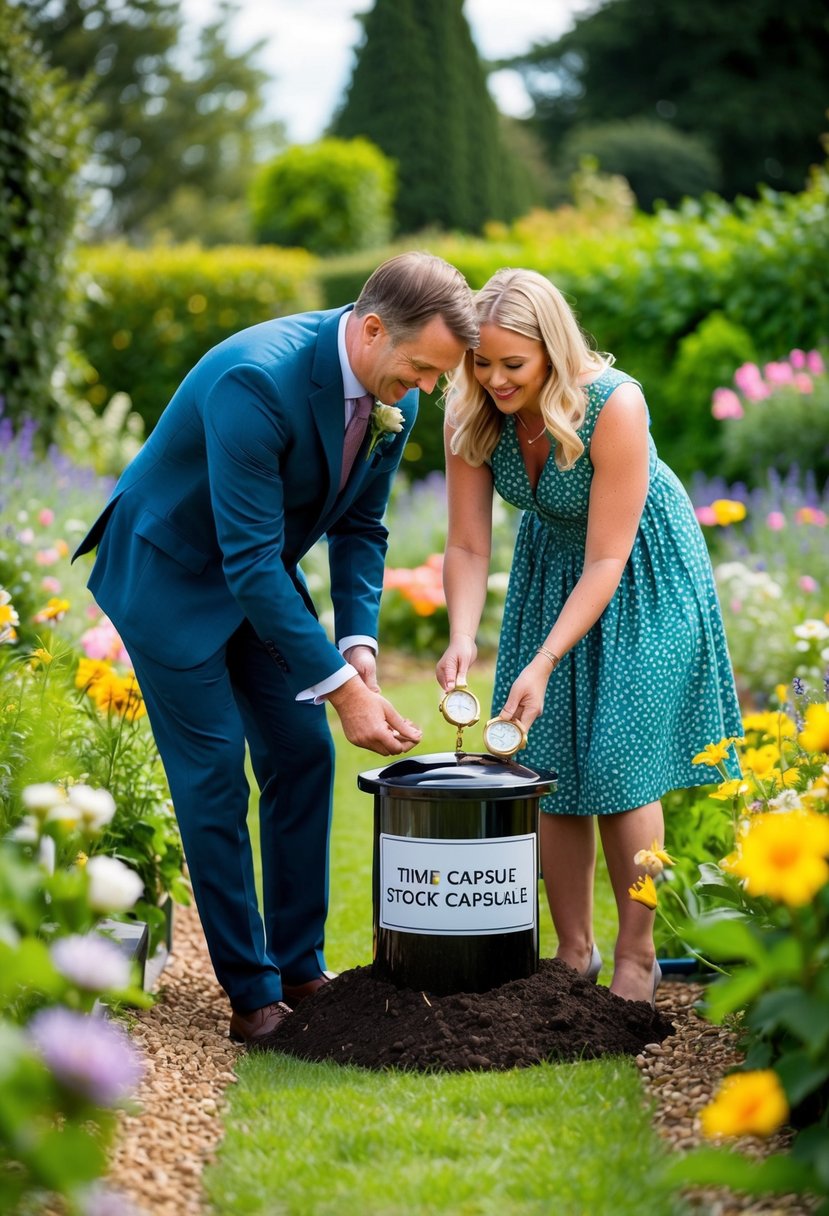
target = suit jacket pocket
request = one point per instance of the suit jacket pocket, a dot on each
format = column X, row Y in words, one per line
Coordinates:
column 165, row 537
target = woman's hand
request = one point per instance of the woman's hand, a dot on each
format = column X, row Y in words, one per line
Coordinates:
column 525, row 702
column 458, row 657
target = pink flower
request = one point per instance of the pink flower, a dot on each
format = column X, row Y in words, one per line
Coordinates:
column 26, row 536
column 797, row 358
column 814, row 363
column 776, row 520
column 104, row 642
column 46, row 517
column 778, row 373
column 750, row 382
column 736, row 606
column 51, row 585
column 726, row 404
column 706, row 515
column 47, row 557
column 811, row 515
column 803, row 382
column 807, row 583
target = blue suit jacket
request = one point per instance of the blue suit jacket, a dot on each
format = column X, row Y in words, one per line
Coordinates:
column 235, row 484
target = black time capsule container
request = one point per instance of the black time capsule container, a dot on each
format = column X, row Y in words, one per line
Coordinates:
column 455, row 874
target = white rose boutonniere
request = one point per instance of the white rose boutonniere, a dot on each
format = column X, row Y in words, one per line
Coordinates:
column 383, row 420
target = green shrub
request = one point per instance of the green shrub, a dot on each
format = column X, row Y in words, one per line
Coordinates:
column 657, row 160
column 43, row 143
column 330, row 197
column 150, row 315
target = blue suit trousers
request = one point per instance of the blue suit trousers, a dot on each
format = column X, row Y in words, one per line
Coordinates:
column 202, row 718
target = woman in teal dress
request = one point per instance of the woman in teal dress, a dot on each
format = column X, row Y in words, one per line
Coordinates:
column 612, row 646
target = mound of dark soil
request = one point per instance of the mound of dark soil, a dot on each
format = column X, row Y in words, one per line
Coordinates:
column 553, row 1015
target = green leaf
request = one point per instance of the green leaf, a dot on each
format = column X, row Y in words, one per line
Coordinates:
column 778, row 1174
column 724, row 935
column 805, row 1015
column 738, row 990
column 800, row 1075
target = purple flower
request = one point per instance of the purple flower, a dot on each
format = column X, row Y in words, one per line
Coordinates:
column 798, row 686
column 89, row 1055
column 92, row 962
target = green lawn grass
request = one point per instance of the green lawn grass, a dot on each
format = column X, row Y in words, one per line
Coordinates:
column 306, row 1139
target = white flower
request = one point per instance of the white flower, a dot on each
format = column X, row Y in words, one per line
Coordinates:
column 789, row 800
column 42, row 798
column 26, row 832
column 812, row 629
column 96, row 807
column 383, row 420
column 92, row 962
column 498, row 581
column 113, row 887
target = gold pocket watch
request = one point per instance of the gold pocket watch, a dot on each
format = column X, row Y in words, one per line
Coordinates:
column 503, row 737
column 460, row 708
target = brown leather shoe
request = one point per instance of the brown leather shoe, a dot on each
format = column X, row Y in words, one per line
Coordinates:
column 294, row 994
column 251, row 1027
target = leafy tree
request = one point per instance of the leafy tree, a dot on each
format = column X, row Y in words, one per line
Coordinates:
column 162, row 133
column 334, row 196
column 43, row 143
column 419, row 93
column 749, row 76
column 657, row 160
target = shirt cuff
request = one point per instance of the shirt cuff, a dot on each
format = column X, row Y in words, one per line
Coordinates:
column 356, row 639
column 317, row 691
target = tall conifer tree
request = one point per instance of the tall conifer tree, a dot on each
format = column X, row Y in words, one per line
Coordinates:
column 419, row 92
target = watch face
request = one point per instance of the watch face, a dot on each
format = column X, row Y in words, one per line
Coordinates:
column 503, row 737
column 460, row 707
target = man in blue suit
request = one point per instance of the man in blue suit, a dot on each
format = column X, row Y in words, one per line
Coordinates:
column 197, row 568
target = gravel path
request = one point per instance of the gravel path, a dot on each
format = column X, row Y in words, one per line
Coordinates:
column 163, row 1149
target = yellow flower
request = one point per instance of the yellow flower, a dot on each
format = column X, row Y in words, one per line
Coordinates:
column 644, row 891
column 746, row 1104
column 653, row 860
column 89, row 672
column 781, row 691
column 55, row 610
column 774, row 724
column 713, row 753
column 730, row 789
column 761, row 761
column 783, row 855
column 815, row 734
column 727, row 511
column 41, row 658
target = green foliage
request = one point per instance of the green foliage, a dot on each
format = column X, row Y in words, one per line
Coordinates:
column 334, row 196
column 765, row 921
column 419, row 92
column 43, row 142
column 707, row 68
column 659, row 161
column 150, row 315
column 705, row 358
column 165, row 134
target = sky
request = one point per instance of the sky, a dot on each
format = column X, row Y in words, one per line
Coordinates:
column 310, row 48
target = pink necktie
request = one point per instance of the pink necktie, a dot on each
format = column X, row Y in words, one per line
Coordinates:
column 354, row 433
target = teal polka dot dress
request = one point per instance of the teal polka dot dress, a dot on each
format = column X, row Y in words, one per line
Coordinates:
column 651, row 683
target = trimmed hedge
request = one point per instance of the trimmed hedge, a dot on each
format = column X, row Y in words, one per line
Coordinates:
column 44, row 141
column 648, row 290
column 681, row 298
column 150, row 315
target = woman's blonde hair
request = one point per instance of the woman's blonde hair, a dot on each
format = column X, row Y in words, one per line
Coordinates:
column 527, row 303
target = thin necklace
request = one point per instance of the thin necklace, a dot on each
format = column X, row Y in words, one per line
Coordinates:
column 535, row 438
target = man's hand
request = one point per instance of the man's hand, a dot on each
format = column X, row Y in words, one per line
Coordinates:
column 364, row 660
column 371, row 721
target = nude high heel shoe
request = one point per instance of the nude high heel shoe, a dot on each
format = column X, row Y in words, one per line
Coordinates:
column 657, row 980
column 593, row 968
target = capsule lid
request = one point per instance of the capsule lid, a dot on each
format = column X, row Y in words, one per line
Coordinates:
column 465, row 774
